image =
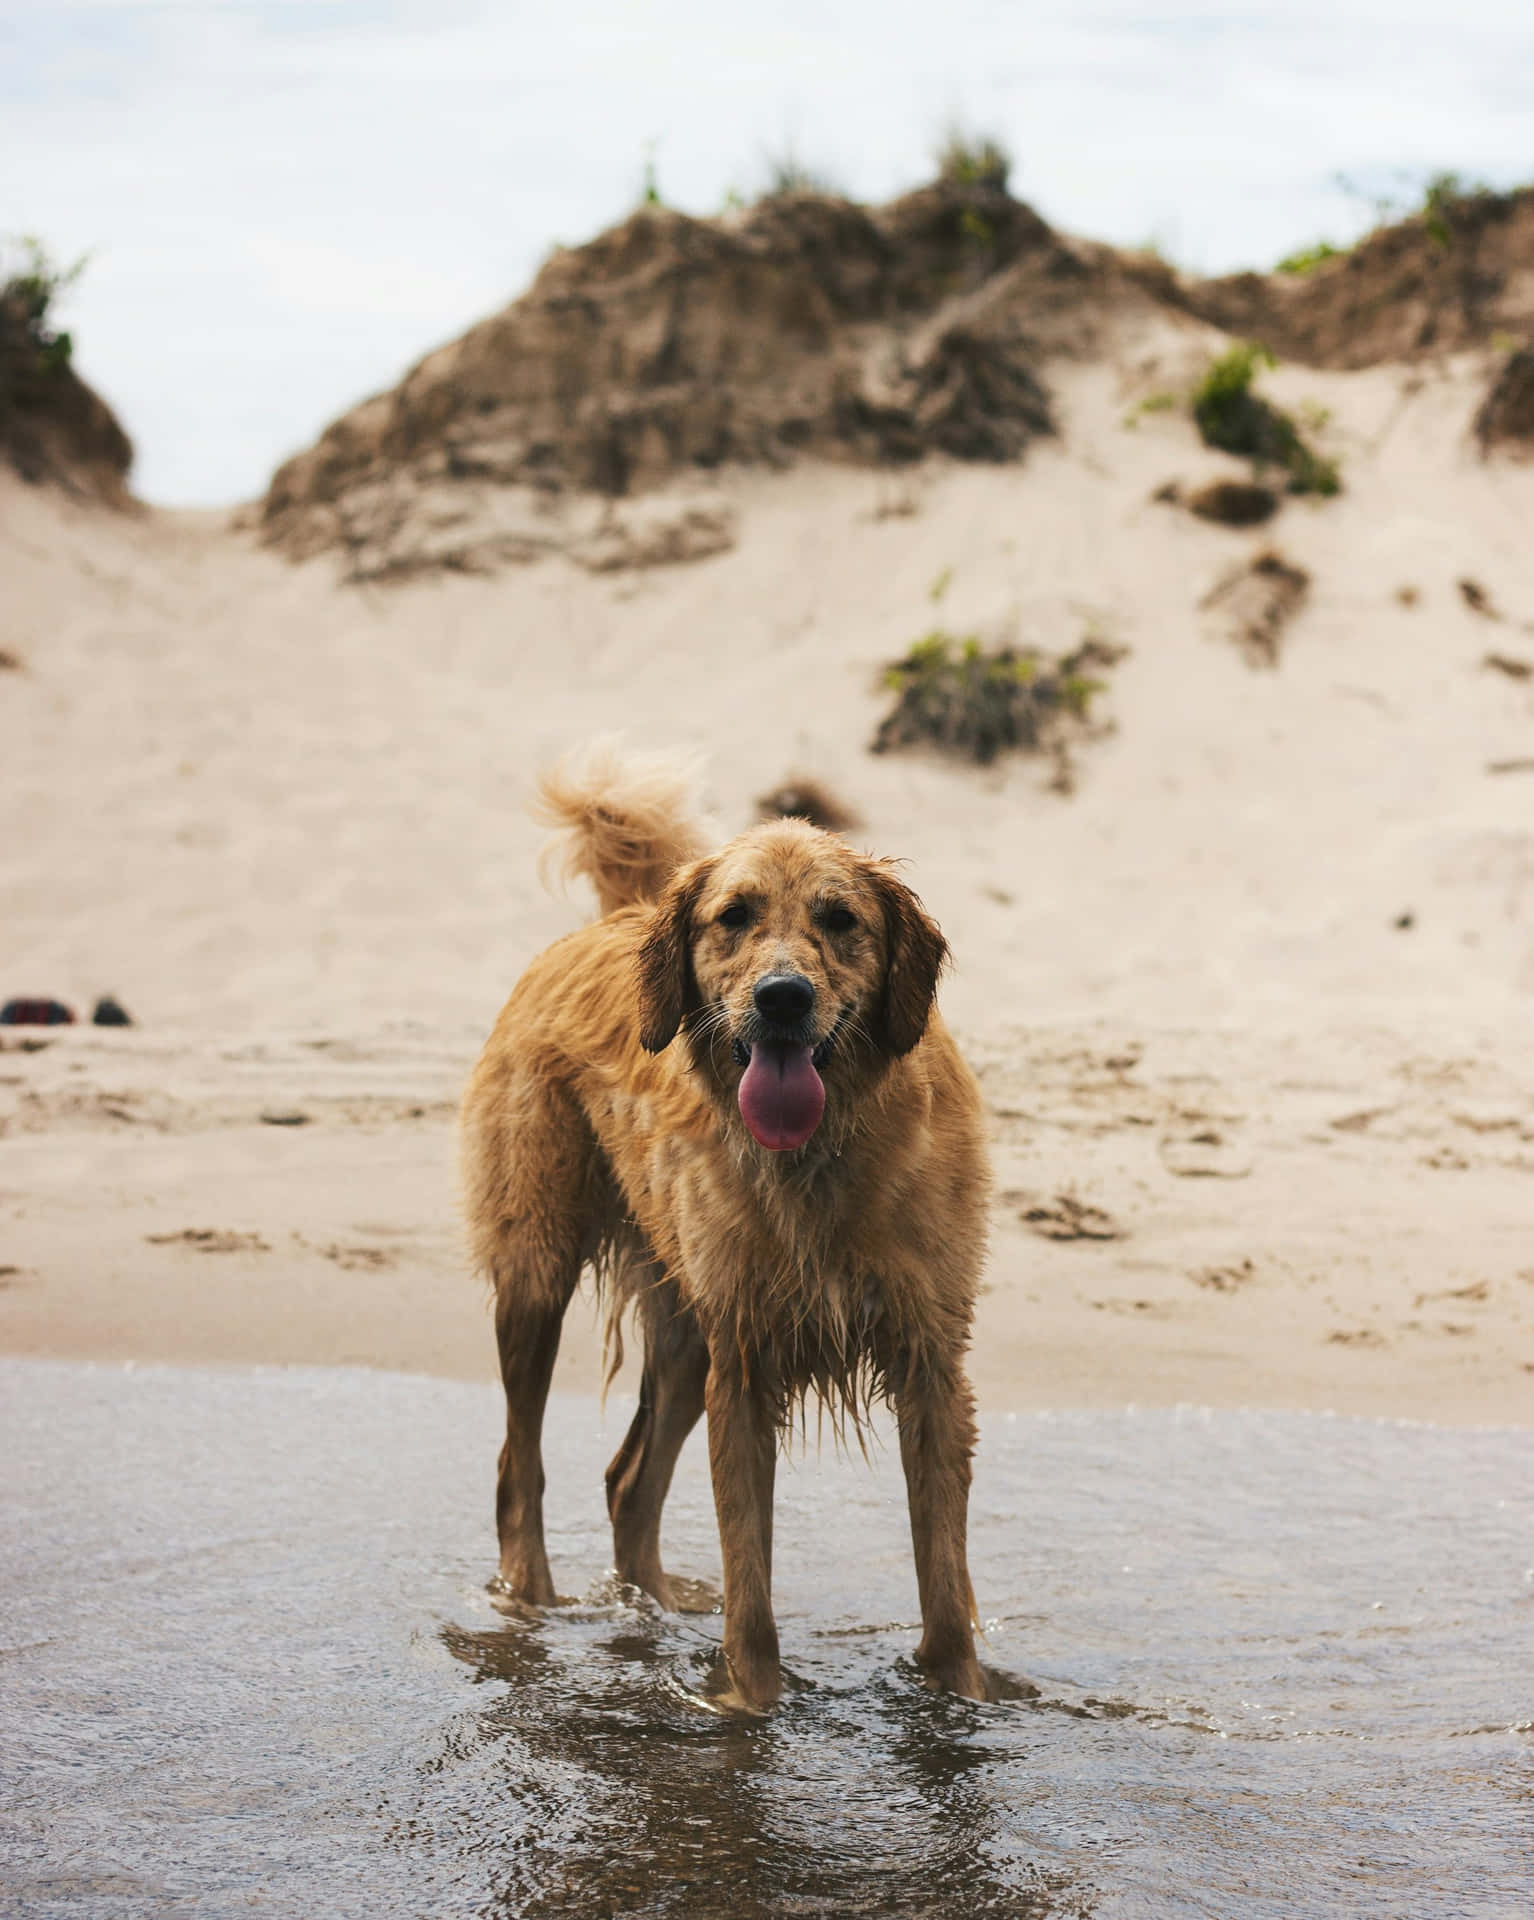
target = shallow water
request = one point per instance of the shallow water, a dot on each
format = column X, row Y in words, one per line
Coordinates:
column 1283, row 1666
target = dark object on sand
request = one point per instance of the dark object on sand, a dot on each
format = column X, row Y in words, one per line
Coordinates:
column 1234, row 503
column 1507, row 413
column 802, row 798
column 111, row 1013
column 1260, row 598
column 36, row 1013
column 1477, row 599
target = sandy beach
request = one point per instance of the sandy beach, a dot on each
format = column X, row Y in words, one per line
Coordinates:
column 1251, row 1004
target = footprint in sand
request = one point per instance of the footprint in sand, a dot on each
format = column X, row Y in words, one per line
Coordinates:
column 1067, row 1218
column 1146, row 1309
column 1204, row 1155
column 1224, row 1279
column 359, row 1259
column 1475, row 1294
column 210, row 1240
column 1360, row 1121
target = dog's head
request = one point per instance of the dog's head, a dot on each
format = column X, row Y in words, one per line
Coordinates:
column 790, row 963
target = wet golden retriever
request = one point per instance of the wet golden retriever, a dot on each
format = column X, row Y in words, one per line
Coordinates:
column 733, row 1098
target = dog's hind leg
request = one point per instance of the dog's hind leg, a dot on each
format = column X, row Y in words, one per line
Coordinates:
column 534, row 1192
column 528, row 1336
column 670, row 1405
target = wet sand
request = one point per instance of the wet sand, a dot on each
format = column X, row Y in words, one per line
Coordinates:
column 1205, row 1216
column 1259, row 1663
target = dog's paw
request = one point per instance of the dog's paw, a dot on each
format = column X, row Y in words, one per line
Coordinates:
column 718, row 1689
column 962, row 1678
column 512, row 1605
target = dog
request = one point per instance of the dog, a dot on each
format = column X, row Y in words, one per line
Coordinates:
column 732, row 1097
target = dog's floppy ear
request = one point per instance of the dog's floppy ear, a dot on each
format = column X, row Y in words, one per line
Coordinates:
column 915, row 954
column 668, row 990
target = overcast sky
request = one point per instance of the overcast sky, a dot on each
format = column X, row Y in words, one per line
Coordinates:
column 286, row 202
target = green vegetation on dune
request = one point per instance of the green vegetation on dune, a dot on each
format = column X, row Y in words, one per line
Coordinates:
column 30, row 291
column 1438, row 200
column 951, row 693
column 787, row 174
column 1305, row 259
column 1230, row 416
column 966, row 159
column 53, row 428
column 1444, row 196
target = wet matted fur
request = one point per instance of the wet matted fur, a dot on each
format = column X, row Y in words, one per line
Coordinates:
column 605, row 1126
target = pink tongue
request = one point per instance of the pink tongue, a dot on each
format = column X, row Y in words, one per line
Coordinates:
column 781, row 1096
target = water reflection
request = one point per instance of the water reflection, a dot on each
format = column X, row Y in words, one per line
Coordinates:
column 870, row 1797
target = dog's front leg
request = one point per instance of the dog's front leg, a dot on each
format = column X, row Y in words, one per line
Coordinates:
column 742, row 1455
column 936, row 1412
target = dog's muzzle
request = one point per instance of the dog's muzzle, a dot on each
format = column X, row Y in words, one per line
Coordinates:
column 781, row 1095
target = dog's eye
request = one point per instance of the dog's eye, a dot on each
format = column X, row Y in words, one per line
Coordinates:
column 735, row 916
column 838, row 920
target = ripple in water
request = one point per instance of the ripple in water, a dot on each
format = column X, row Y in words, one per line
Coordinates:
column 1248, row 1664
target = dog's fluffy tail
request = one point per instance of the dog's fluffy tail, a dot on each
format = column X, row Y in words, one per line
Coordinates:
column 625, row 822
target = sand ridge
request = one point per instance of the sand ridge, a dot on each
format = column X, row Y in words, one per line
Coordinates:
column 670, row 349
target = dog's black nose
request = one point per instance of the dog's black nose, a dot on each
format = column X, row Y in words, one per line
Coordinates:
column 784, row 998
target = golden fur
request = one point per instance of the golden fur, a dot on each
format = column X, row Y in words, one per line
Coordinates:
column 601, row 1128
